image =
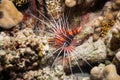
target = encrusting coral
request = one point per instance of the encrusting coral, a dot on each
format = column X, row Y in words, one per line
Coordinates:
column 9, row 15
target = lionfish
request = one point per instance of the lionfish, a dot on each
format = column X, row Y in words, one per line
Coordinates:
column 63, row 35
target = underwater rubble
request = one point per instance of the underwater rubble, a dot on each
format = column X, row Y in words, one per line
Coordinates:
column 59, row 39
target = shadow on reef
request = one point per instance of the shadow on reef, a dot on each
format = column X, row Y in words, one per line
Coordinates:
column 99, row 4
column 82, row 10
column 85, row 69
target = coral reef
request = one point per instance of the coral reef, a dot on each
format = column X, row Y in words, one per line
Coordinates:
column 24, row 48
column 60, row 40
column 9, row 15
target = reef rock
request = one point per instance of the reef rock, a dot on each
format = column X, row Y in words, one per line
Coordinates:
column 22, row 51
column 105, row 73
column 92, row 51
column 46, row 74
column 97, row 72
column 9, row 15
column 70, row 3
column 116, row 4
column 113, row 37
column 85, row 3
column 116, row 61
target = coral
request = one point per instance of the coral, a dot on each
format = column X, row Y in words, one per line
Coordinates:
column 26, row 50
column 106, row 26
column 28, row 54
column 55, row 8
column 9, row 15
column 55, row 74
column 20, row 3
column 29, row 39
column 5, row 40
column 46, row 74
column 25, row 60
column 104, row 73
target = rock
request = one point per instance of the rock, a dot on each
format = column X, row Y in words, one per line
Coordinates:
column 116, row 4
column 97, row 23
column 70, row 3
column 110, row 73
column 116, row 61
column 95, row 37
column 114, row 43
column 117, row 24
column 118, row 55
column 9, row 15
column 115, row 31
column 85, row 3
column 98, row 30
column 97, row 72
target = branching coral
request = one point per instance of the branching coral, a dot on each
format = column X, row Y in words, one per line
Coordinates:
column 55, row 8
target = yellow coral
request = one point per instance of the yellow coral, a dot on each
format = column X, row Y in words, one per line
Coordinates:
column 20, row 3
column 106, row 26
